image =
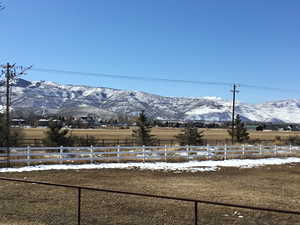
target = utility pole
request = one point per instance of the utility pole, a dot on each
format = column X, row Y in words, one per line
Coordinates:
column 10, row 74
column 234, row 91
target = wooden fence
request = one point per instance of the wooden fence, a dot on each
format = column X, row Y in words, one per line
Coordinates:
column 91, row 154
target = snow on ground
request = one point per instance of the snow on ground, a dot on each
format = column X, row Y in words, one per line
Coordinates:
column 192, row 166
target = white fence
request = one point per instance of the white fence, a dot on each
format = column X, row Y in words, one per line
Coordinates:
column 39, row 155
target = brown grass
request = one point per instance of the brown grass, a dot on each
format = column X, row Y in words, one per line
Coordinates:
column 162, row 133
column 270, row 186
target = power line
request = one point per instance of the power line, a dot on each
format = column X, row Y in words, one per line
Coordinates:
column 130, row 77
column 269, row 88
column 154, row 79
column 114, row 76
column 42, row 95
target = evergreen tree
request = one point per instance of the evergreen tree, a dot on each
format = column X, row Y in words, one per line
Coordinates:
column 142, row 134
column 240, row 133
column 16, row 135
column 3, row 131
column 190, row 136
column 259, row 128
column 56, row 136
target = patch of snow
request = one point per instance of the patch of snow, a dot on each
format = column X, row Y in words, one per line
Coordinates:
column 192, row 166
column 50, row 83
column 206, row 109
column 212, row 98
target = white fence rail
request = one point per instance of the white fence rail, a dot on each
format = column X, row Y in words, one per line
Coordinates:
column 91, row 154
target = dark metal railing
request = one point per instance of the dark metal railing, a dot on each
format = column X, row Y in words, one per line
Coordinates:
column 195, row 201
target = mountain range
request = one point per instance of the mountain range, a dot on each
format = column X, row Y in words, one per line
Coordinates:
column 45, row 97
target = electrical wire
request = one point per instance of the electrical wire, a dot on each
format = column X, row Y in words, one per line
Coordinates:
column 269, row 88
column 162, row 80
column 129, row 77
column 150, row 79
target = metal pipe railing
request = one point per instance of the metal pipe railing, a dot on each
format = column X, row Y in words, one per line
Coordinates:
column 195, row 201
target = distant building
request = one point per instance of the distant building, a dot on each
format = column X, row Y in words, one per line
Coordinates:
column 46, row 122
column 86, row 122
column 17, row 122
column 43, row 122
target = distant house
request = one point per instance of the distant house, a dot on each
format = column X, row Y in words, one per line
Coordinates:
column 279, row 127
column 87, row 119
column 18, row 122
column 295, row 127
column 43, row 122
column 86, row 122
column 46, row 122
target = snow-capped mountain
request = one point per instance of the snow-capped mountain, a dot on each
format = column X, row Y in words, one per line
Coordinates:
column 49, row 97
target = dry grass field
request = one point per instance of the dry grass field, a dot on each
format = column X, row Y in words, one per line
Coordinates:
column 269, row 186
column 161, row 133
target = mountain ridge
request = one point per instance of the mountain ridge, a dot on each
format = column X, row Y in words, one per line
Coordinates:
column 51, row 97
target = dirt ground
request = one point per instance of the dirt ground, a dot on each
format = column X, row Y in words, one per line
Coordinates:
column 269, row 186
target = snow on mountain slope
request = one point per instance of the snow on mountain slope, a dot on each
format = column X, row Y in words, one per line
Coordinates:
column 284, row 110
column 50, row 97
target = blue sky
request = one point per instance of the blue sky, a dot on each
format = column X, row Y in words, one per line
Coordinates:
column 252, row 42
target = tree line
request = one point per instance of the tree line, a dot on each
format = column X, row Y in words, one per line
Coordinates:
column 190, row 135
column 57, row 135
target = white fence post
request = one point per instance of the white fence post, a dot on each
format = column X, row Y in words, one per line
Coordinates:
column 207, row 150
column 143, row 153
column 118, row 155
column 61, row 151
column 260, row 149
column 290, row 148
column 28, row 155
column 225, row 151
column 92, row 153
column 187, row 152
column 165, row 153
column 243, row 150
